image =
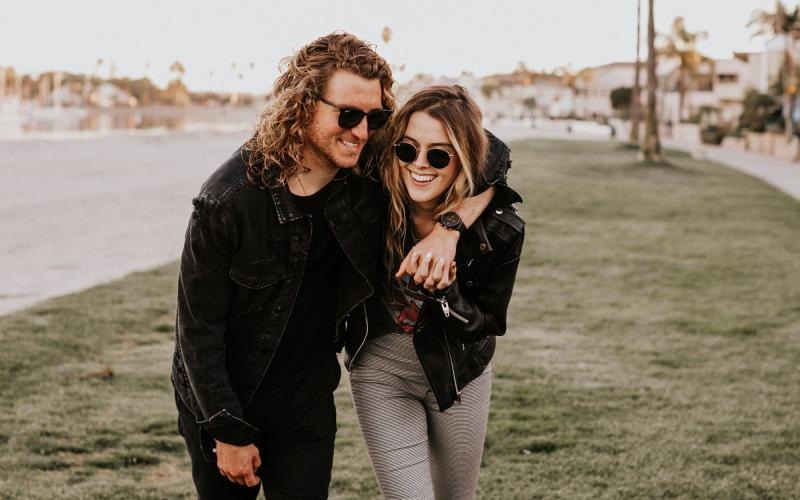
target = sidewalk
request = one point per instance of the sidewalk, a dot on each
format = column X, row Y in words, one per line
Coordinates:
column 784, row 175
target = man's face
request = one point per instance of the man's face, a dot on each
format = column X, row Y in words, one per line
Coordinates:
column 329, row 145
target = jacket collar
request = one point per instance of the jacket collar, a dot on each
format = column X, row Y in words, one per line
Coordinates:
column 285, row 206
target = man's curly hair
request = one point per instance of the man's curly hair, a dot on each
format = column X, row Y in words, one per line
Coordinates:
column 274, row 151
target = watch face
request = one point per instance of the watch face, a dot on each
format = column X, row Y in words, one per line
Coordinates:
column 450, row 219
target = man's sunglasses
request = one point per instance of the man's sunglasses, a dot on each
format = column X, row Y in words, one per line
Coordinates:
column 350, row 117
column 437, row 158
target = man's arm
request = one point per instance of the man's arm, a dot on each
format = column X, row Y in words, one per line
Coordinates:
column 439, row 247
column 203, row 290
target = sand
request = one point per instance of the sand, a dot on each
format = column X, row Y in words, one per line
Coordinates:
column 75, row 213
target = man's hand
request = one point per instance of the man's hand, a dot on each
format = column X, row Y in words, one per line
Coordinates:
column 420, row 263
column 238, row 463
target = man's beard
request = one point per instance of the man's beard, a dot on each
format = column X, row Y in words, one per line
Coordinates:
column 327, row 154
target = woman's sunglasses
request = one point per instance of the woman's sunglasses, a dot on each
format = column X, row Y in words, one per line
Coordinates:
column 437, row 158
column 350, row 117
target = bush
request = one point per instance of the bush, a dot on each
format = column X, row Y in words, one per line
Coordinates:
column 761, row 112
column 621, row 98
column 712, row 134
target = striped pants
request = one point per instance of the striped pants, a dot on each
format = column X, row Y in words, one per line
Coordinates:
column 417, row 451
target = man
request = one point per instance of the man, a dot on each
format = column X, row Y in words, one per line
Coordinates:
column 281, row 251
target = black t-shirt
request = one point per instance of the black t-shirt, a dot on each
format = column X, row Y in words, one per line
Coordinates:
column 305, row 361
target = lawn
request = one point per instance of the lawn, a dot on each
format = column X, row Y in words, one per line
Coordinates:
column 652, row 352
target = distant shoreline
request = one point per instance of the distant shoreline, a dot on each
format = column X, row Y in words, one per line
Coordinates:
column 45, row 123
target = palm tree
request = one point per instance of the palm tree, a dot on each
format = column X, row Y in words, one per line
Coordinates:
column 571, row 79
column 636, row 101
column 785, row 24
column 178, row 70
column 652, row 146
column 681, row 44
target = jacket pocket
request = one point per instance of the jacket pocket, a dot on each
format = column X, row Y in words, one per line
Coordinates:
column 484, row 350
column 257, row 274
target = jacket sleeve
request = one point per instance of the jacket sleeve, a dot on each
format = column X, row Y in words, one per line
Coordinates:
column 203, row 291
column 471, row 318
column 498, row 163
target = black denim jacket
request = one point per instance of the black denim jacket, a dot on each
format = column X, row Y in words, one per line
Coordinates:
column 241, row 267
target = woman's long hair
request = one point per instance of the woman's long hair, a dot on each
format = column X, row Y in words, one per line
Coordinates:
column 275, row 150
column 461, row 118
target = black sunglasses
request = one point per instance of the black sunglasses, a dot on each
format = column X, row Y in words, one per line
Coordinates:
column 437, row 158
column 350, row 117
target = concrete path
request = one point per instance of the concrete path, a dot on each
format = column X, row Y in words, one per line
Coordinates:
column 784, row 175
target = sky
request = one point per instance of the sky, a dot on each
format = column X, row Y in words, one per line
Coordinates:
column 439, row 37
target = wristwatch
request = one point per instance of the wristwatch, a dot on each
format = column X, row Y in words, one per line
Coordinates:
column 451, row 220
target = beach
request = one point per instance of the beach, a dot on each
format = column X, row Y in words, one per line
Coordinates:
column 79, row 212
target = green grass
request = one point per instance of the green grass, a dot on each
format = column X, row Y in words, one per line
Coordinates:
column 652, row 352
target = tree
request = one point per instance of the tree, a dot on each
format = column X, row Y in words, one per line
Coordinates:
column 636, row 102
column 785, row 24
column 571, row 80
column 652, row 145
column 488, row 89
column 178, row 70
column 530, row 104
column 681, row 44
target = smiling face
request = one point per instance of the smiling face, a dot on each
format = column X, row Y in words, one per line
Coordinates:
column 425, row 184
column 330, row 146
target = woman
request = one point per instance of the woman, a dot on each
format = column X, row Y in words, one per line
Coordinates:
column 421, row 378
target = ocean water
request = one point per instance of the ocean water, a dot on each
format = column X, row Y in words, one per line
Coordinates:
column 23, row 122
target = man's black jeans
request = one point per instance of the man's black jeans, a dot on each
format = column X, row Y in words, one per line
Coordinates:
column 295, row 441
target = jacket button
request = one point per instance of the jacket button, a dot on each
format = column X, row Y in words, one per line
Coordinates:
column 498, row 211
column 469, row 284
column 279, row 308
column 483, row 247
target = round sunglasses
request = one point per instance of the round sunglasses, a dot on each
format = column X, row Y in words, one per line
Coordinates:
column 437, row 158
column 350, row 117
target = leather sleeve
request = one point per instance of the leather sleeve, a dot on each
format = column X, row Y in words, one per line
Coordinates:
column 484, row 313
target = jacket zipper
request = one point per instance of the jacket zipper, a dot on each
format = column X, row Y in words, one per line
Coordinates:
column 452, row 366
column 369, row 285
column 364, row 339
column 449, row 312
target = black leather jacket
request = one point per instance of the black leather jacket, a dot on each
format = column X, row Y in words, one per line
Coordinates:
column 455, row 332
column 241, row 267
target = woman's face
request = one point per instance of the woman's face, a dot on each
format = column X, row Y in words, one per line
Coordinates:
column 424, row 183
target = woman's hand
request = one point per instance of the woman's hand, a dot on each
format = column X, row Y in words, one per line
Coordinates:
column 421, row 261
column 439, row 279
